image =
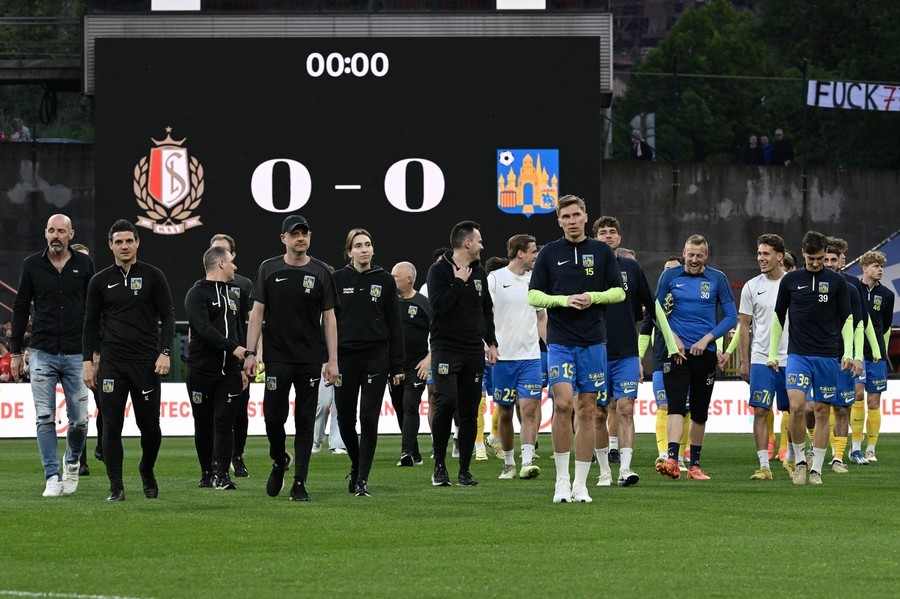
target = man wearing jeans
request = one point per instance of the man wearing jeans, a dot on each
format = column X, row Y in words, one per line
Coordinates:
column 55, row 280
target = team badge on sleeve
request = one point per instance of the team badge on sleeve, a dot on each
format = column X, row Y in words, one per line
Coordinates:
column 109, row 385
column 271, row 383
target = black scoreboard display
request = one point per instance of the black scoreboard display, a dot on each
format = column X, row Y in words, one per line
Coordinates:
column 402, row 136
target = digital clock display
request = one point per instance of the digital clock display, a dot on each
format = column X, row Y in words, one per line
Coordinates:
column 403, row 136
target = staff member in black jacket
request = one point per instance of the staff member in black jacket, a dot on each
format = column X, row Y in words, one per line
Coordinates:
column 56, row 280
column 370, row 347
column 131, row 298
column 240, row 290
column 463, row 324
column 214, row 376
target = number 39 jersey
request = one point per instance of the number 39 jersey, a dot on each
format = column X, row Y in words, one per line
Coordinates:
column 819, row 304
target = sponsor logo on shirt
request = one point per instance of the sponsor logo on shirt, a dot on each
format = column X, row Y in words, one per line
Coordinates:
column 348, row 290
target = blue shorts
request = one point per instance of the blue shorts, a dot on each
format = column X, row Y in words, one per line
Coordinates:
column 582, row 367
column 487, row 386
column 544, row 377
column 659, row 388
column 876, row 376
column 766, row 385
column 516, row 379
column 814, row 375
column 430, row 380
column 622, row 377
column 846, row 389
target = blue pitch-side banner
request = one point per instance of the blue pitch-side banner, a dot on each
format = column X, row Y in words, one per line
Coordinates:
column 891, row 277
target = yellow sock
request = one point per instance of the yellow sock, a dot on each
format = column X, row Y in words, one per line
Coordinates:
column 479, row 428
column 785, row 423
column 873, row 426
column 770, row 425
column 662, row 437
column 495, row 422
column 685, row 435
column 831, row 430
column 840, row 444
column 858, row 421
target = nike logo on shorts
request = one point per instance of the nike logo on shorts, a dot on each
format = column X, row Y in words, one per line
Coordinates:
column 147, row 392
column 230, row 395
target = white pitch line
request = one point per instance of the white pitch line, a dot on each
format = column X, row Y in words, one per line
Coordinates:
column 12, row 593
column 348, row 186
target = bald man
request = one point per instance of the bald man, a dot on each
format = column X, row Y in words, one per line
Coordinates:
column 55, row 280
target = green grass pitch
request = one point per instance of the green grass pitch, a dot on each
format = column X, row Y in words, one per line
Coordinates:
column 728, row 537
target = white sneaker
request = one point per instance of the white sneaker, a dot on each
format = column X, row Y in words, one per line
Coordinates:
column 681, row 466
column 509, row 472
column 317, row 447
column 870, row 455
column 338, row 450
column 628, row 478
column 54, row 487
column 70, row 482
column 563, row 493
column 605, row 479
column 580, row 493
column 455, row 452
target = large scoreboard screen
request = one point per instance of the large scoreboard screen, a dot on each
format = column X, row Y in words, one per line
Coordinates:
column 402, row 136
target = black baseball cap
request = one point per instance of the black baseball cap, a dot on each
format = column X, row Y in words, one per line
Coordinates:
column 292, row 222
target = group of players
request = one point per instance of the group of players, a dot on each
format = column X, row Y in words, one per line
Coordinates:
column 360, row 327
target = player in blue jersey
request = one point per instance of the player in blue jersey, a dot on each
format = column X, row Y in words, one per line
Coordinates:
column 879, row 301
column 624, row 366
column 691, row 297
column 821, row 323
column 573, row 278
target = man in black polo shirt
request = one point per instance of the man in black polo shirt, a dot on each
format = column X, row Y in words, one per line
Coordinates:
column 462, row 325
column 56, row 280
column 130, row 299
column 295, row 295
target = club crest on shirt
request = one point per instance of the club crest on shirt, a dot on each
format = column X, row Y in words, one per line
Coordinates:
column 375, row 290
column 478, row 285
column 624, row 278
column 232, row 305
column 196, row 397
column 137, row 283
column 876, row 300
column 271, row 383
column 443, row 368
column 309, row 282
column 587, row 260
column 109, row 385
column 823, row 287
column 704, row 287
column 412, row 311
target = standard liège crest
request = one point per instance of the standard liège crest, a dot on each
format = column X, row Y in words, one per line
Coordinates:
column 168, row 186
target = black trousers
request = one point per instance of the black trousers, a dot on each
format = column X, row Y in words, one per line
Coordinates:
column 363, row 376
column 241, row 422
column 214, row 400
column 457, row 388
column 406, row 398
column 691, row 380
column 280, row 378
column 118, row 380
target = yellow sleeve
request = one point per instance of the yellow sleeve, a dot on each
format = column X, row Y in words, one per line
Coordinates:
column 872, row 340
column 643, row 344
column 775, row 339
column 542, row 300
column 734, row 340
column 610, row 296
column 847, row 336
column 858, row 341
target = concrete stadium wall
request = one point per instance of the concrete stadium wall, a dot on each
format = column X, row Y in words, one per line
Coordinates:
column 729, row 204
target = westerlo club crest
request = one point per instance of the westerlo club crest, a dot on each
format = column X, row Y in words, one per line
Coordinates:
column 168, row 186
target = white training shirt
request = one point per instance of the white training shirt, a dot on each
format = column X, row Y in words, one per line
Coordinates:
column 515, row 322
column 758, row 301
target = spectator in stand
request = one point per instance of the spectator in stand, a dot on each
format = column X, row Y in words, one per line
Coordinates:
column 752, row 154
column 640, row 149
column 5, row 360
column 3, row 135
column 19, row 131
column 7, row 328
column 782, row 150
column 766, row 149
